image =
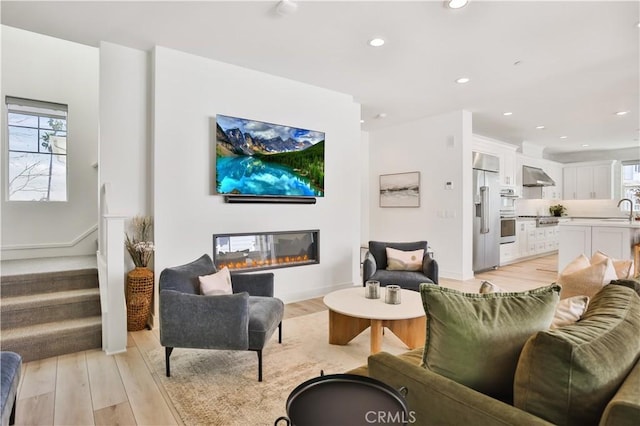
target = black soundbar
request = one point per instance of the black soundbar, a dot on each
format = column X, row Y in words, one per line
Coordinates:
column 269, row 199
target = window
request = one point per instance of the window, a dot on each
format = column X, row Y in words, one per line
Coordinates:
column 37, row 145
column 631, row 184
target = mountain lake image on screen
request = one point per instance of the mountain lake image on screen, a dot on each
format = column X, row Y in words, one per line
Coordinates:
column 258, row 158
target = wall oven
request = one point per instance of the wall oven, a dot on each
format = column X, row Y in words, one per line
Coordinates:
column 507, row 216
column 507, row 229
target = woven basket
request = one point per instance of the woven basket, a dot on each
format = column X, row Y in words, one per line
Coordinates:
column 139, row 294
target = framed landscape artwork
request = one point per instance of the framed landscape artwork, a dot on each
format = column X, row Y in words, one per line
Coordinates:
column 400, row 190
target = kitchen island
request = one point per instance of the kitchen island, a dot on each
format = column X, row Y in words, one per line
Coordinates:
column 613, row 236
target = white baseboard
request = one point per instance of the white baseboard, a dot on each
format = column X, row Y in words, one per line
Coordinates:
column 312, row 293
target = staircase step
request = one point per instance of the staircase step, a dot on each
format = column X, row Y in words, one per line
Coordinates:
column 53, row 339
column 48, row 307
column 48, row 282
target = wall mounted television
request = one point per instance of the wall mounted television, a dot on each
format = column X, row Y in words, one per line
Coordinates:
column 254, row 158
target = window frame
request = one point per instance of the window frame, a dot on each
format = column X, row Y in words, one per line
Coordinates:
column 625, row 185
column 43, row 111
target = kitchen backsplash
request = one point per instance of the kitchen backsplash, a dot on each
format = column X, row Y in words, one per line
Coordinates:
column 526, row 207
column 593, row 208
column 575, row 208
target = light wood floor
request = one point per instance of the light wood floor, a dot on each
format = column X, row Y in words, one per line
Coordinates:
column 91, row 388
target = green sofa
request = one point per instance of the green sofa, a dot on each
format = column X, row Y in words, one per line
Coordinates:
column 580, row 374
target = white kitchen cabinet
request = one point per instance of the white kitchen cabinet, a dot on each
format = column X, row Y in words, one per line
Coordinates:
column 553, row 193
column 508, row 167
column 574, row 240
column 584, row 183
column 506, row 154
column 581, row 237
column 508, row 252
column 603, row 182
column 522, row 236
column 534, row 241
column 569, row 183
column 588, row 181
column 614, row 241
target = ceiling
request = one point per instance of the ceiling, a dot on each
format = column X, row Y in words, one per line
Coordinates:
column 569, row 66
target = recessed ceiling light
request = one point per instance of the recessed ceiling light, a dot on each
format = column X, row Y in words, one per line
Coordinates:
column 361, row 121
column 539, row 127
column 286, row 7
column 563, row 137
column 638, row 24
column 507, row 113
column 457, row 4
column 584, row 145
column 376, row 42
column 381, row 115
column 622, row 112
column 463, row 80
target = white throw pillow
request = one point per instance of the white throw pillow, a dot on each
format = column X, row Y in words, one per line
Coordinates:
column 399, row 260
column 569, row 311
column 216, row 284
column 624, row 268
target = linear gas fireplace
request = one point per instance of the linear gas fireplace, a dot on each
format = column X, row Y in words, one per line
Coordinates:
column 266, row 250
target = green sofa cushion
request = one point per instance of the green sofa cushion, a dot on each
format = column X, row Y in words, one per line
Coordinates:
column 476, row 339
column 568, row 375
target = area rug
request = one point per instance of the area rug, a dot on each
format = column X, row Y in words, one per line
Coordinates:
column 209, row 387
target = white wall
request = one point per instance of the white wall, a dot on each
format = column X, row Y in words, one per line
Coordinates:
column 188, row 93
column 49, row 69
column 365, row 189
column 125, row 128
column 439, row 147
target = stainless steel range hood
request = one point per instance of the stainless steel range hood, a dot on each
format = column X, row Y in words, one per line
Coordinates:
column 534, row 176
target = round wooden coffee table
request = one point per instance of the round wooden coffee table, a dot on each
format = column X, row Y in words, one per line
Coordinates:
column 350, row 313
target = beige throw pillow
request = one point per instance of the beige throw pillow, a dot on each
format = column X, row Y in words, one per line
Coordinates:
column 399, row 260
column 587, row 281
column 576, row 264
column 216, row 284
column 624, row 268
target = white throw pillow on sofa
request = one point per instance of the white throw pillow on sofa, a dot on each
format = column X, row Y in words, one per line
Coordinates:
column 217, row 283
column 569, row 311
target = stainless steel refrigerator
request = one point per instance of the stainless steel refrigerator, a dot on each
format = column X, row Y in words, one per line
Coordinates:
column 486, row 212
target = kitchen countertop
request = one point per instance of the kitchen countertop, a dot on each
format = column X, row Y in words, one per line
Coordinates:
column 617, row 222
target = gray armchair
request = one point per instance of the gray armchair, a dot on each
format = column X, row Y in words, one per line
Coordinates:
column 244, row 320
column 374, row 266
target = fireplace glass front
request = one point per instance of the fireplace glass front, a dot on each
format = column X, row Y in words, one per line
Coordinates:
column 266, row 250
